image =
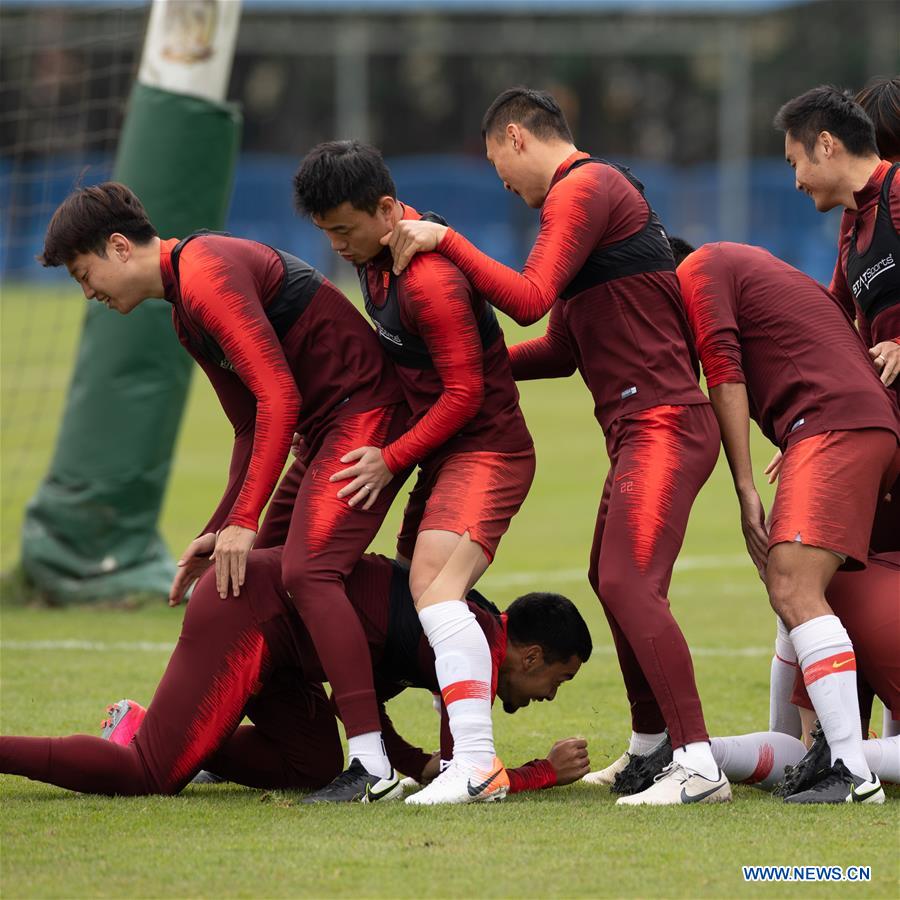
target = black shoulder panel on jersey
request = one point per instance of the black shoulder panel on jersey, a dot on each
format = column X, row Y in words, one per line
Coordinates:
column 298, row 286
column 646, row 251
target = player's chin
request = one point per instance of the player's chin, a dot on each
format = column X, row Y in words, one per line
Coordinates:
column 510, row 707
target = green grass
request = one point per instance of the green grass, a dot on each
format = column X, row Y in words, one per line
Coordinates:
column 227, row 841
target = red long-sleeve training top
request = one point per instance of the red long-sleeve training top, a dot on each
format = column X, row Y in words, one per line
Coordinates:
column 628, row 336
column 466, row 399
column 760, row 322
column 328, row 363
column 886, row 326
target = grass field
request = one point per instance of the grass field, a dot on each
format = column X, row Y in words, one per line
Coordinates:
column 228, row 841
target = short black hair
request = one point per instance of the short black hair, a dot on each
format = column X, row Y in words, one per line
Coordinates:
column 681, row 249
column 84, row 221
column 537, row 111
column 827, row 108
column 880, row 98
column 551, row 621
column 337, row 172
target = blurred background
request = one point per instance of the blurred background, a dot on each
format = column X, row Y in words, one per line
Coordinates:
column 683, row 91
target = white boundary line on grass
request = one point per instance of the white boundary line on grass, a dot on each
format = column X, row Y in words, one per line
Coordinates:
column 548, row 576
column 512, row 579
column 152, row 647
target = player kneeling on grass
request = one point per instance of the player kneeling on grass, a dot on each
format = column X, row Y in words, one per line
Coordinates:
column 866, row 603
column 253, row 656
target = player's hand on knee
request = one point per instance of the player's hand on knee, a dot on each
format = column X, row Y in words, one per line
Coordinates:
column 410, row 237
column 570, row 760
column 886, row 357
column 233, row 545
column 368, row 476
column 773, row 469
column 756, row 535
column 193, row 563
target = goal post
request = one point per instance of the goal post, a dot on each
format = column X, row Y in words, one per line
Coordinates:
column 91, row 530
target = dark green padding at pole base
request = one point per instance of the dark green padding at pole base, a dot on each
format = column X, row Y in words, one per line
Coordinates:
column 90, row 531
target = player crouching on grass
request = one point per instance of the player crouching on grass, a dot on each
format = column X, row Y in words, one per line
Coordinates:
column 760, row 327
column 252, row 655
column 467, row 435
column 284, row 349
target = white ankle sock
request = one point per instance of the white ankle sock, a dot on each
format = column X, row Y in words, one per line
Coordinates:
column 828, row 662
column 462, row 662
column 698, row 758
column 368, row 748
column 758, row 759
column 783, row 715
column 641, row 743
column 883, row 757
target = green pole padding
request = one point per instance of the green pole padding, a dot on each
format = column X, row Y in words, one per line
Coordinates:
column 90, row 531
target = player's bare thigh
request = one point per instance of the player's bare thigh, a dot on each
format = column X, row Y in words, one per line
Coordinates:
column 796, row 578
column 445, row 566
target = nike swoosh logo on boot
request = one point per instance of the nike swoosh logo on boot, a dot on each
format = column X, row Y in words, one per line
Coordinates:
column 696, row 798
column 861, row 798
column 480, row 788
column 373, row 795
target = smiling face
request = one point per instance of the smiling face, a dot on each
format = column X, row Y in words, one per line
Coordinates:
column 110, row 279
column 815, row 173
column 525, row 676
column 355, row 235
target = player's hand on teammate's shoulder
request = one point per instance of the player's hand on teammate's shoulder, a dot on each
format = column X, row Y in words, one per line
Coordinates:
column 369, row 474
column 886, row 357
column 412, row 236
column 233, row 545
column 570, row 760
column 192, row 564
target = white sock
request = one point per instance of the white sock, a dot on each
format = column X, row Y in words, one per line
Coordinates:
column 698, row 758
column 828, row 662
column 369, row 749
column 783, row 715
column 758, row 759
column 641, row 743
column 890, row 727
column 462, row 662
column 883, row 757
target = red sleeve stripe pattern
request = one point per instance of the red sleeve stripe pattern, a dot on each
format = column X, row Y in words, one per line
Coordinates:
column 436, row 301
column 704, row 284
column 222, row 296
column 574, row 217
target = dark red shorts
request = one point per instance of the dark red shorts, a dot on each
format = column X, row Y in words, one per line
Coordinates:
column 868, row 605
column 475, row 492
column 828, row 489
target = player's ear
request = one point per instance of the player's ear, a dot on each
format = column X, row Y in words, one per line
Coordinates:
column 118, row 246
column 532, row 657
column 515, row 136
column 386, row 205
column 826, row 141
